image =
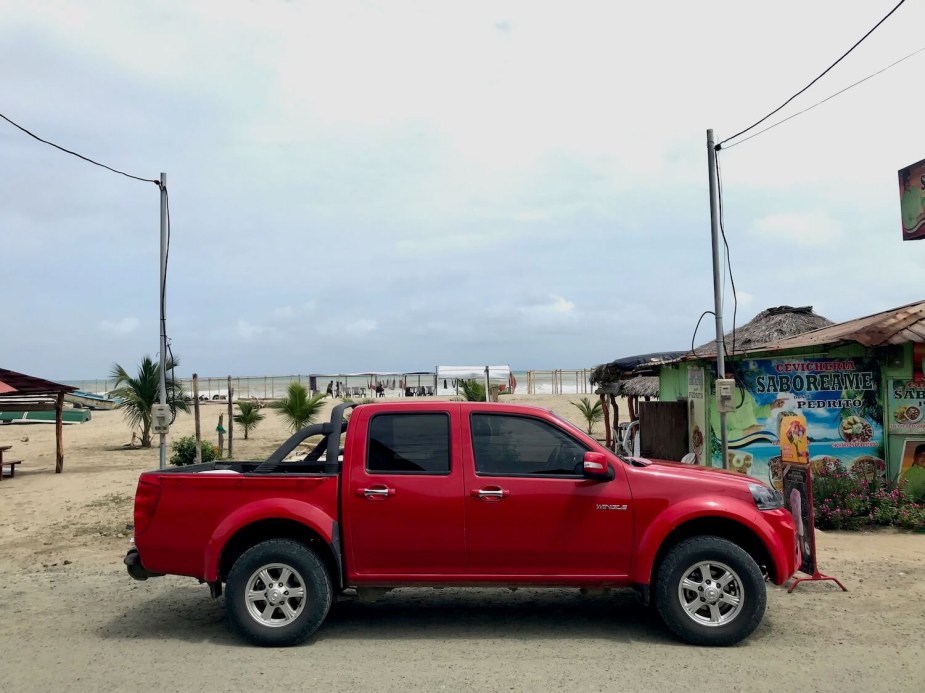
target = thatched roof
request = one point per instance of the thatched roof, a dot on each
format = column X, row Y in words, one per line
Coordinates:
column 766, row 328
column 640, row 386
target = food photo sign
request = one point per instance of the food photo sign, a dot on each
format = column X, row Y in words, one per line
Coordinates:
column 906, row 406
column 803, row 411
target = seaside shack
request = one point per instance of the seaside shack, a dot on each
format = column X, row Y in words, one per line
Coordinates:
column 636, row 379
column 853, row 391
column 26, row 393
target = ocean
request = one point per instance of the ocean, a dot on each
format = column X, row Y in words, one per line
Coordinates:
column 561, row 381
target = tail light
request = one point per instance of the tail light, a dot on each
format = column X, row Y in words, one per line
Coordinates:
column 146, row 497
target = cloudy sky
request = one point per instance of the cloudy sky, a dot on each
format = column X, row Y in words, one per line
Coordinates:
column 395, row 185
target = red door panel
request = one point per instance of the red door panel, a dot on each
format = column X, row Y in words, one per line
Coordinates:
column 405, row 521
column 547, row 520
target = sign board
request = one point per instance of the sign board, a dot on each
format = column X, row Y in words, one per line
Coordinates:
column 906, row 406
column 912, row 468
column 798, row 409
column 912, row 201
column 696, row 414
column 798, row 499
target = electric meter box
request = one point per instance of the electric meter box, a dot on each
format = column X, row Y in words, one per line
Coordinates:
column 725, row 394
column 160, row 418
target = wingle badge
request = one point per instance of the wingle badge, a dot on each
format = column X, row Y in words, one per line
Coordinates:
column 605, row 506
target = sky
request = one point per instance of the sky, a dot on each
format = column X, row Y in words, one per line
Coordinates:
column 391, row 186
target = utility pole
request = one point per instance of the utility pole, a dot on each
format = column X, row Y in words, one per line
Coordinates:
column 163, row 319
column 717, row 293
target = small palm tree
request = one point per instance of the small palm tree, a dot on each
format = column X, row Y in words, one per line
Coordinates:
column 140, row 393
column 297, row 407
column 591, row 413
column 473, row 390
column 249, row 417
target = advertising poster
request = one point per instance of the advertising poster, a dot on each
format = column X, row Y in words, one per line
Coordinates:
column 912, row 468
column 906, row 406
column 798, row 499
column 696, row 414
column 912, row 200
column 802, row 411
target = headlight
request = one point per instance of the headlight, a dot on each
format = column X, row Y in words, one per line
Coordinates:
column 765, row 498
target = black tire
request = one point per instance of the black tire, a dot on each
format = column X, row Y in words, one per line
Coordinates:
column 730, row 586
column 280, row 617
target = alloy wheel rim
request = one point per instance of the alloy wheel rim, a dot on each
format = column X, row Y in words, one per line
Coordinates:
column 711, row 593
column 275, row 595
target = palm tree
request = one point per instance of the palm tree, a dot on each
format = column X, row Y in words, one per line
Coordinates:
column 297, row 407
column 472, row 390
column 140, row 393
column 592, row 414
column 249, row 417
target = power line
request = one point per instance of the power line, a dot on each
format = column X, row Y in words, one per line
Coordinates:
column 844, row 55
column 828, row 98
column 79, row 156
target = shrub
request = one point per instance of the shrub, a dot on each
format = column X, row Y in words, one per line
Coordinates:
column 184, row 451
column 849, row 500
column 592, row 413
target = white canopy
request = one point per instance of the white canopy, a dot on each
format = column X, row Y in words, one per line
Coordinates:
column 498, row 374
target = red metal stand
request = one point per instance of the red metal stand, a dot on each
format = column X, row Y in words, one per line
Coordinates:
column 815, row 577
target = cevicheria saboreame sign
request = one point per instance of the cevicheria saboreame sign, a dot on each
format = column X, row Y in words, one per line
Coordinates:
column 912, row 200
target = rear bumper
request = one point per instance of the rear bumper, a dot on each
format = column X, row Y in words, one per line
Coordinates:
column 135, row 567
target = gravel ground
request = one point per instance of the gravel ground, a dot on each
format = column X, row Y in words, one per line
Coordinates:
column 72, row 620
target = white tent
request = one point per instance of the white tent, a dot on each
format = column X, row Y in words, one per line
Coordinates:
column 487, row 374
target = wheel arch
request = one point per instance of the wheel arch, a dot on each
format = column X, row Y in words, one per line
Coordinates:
column 722, row 527
column 265, row 529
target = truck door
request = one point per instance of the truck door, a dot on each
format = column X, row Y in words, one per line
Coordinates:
column 529, row 510
column 403, row 503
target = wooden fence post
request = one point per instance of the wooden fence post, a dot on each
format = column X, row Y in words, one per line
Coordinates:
column 196, row 418
column 230, row 421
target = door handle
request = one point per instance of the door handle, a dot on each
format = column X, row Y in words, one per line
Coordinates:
column 382, row 492
column 495, row 493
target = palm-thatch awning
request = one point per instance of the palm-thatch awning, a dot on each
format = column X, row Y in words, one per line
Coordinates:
column 640, row 386
column 770, row 326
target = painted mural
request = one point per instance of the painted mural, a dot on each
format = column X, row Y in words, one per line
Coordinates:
column 802, row 410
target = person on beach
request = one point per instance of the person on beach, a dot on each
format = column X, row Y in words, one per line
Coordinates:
column 330, row 391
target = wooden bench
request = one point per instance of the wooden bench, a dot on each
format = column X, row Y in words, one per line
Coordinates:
column 12, row 465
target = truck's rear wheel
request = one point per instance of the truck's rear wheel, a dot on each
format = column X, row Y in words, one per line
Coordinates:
column 278, row 593
column 709, row 591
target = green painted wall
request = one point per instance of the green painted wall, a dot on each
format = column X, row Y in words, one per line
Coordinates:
column 673, row 383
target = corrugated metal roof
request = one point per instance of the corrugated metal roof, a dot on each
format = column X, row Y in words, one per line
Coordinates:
column 20, row 385
column 895, row 326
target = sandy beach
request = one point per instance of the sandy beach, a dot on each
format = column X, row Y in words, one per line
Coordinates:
column 73, row 620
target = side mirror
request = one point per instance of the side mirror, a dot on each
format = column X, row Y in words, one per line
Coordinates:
column 596, row 466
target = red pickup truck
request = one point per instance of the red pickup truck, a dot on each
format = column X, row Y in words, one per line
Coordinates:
column 463, row 494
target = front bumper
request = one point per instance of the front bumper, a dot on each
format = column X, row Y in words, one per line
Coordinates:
column 135, row 567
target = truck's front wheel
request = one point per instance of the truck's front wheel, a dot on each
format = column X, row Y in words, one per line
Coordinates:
column 278, row 593
column 709, row 591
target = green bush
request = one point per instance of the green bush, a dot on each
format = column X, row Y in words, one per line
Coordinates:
column 184, row 451
column 854, row 499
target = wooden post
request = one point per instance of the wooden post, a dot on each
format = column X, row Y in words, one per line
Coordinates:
column 196, row 417
column 59, row 434
column 230, row 421
column 607, row 436
column 221, row 435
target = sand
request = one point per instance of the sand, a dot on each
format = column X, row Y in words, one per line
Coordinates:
column 71, row 619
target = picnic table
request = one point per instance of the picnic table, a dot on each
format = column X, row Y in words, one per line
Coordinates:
column 11, row 463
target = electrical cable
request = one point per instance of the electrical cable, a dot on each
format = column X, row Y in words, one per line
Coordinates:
column 828, row 98
column 79, row 156
column 694, row 336
column 844, row 55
